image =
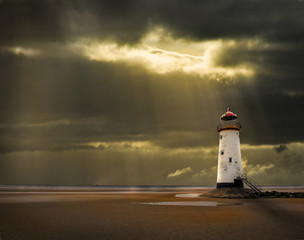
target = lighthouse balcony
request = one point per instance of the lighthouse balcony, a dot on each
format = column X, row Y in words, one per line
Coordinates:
column 233, row 124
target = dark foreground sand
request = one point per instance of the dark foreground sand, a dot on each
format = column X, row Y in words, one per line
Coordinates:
column 123, row 216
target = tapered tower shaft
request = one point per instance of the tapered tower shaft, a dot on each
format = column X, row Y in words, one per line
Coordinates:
column 229, row 172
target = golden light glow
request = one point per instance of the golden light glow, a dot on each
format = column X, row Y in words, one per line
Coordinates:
column 201, row 173
column 257, row 147
column 180, row 172
column 30, row 52
column 251, row 169
column 123, row 146
column 159, row 52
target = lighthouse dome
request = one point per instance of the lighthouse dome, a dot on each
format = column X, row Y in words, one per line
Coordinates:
column 229, row 121
column 228, row 115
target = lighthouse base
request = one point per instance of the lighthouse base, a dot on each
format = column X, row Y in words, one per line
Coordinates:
column 238, row 183
column 233, row 192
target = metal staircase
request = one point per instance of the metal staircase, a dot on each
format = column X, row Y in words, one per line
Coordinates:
column 251, row 183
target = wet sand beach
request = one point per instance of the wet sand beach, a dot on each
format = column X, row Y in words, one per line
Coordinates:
column 146, row 215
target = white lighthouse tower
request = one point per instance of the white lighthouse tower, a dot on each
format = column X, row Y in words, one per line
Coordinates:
column 229, row 171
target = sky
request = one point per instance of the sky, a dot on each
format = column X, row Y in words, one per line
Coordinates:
column 129, row 92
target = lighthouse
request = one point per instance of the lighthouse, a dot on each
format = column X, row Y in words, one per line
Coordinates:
column 229, row 170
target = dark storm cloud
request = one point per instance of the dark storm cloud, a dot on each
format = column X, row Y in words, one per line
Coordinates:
column 270, row 168
column 126, row 21
column 234, row 18
column 30, row 21
column 280, row 148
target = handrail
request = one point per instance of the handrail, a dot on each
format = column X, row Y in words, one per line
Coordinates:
column 251, row 180
column 251, row 183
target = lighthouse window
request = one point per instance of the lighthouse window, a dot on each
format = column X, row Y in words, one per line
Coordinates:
column 230, row 159
column 221, row 136
column 222, row 152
